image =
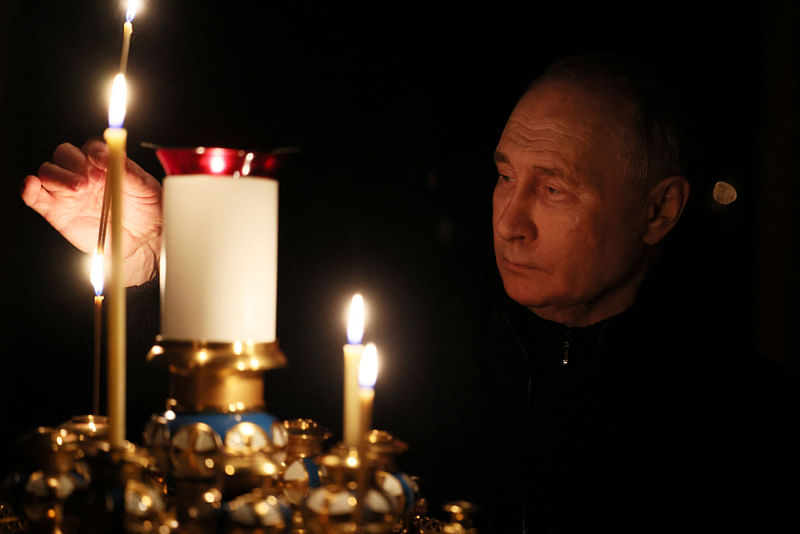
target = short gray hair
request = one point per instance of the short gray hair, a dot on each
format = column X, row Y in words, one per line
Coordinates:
column 656, row 152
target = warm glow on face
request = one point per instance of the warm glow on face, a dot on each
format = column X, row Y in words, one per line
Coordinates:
column 133, row 7
column 355, row 324
column 368, row 368
column 96, row 275
column 119, row 96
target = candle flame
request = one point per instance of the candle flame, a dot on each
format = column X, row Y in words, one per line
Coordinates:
column 355, row 324
column 368, row 368
column 116, row 108
column 96, row 275
column 133, row 7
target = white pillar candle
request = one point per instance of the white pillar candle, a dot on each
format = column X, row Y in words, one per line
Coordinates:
column 219, row 258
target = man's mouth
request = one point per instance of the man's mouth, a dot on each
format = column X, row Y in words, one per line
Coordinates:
column 515, row 266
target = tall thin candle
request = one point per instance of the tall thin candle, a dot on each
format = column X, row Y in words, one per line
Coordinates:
column 352, row 359
column 116, row 136
column 367, row 375
column 98, row 260
column 127, row 30
column 97, row 282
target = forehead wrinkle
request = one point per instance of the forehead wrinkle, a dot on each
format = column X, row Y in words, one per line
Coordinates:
column 526, row 130
column 522, row 133
column 549, row 138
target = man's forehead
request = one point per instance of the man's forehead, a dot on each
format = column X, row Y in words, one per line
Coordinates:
column 563, row 131
column 548, row 146
column 561, row 112
column 556, row 99
column 547, row 170
column 529, row 127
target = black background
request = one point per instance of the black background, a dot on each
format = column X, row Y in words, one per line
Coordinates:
column 396, row 108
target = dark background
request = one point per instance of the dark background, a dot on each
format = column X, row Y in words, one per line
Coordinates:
column 396, row 108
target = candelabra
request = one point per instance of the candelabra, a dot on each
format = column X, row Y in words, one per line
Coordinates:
column 215, row 461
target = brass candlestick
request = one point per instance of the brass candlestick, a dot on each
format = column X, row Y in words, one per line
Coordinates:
column 382, row 449
column 216, row 377
column 300, row 467
column 340, row 505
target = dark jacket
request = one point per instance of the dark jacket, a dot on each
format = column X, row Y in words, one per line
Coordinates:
column 652, row 420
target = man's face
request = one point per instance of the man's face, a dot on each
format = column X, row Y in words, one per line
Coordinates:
column 568, row 216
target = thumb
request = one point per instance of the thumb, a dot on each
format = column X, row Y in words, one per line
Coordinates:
column 96, row 152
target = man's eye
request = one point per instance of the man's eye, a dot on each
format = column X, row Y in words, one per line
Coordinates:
column 552, row 190
column 505, row 178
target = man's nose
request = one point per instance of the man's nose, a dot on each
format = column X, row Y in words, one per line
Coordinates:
column 514, row 218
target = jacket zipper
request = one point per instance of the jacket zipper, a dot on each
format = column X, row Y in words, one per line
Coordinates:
column 565, row 347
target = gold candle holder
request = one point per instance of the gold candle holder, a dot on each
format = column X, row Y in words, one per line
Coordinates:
column 348, row 501
column 215, row 376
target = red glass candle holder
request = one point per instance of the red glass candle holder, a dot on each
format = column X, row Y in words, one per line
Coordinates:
column 219, row 161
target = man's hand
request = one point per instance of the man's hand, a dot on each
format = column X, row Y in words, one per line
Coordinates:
column 68, row 193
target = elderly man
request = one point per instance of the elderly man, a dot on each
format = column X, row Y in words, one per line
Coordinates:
column 582, row 198
column 605, row 412
column 625, row 412
column 581, row 203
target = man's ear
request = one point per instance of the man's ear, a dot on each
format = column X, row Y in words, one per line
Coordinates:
column 665, row 204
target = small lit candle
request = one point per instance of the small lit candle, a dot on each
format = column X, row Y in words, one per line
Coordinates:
column 127, row 30
column 97, row 283
column 116, row 136
column 352, row 359
column 367, row 375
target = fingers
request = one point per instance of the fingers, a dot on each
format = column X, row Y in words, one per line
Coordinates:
column 56, row 178
column 96, row 151
column 141, row 179
column 34, row 195
column 31, row 188
column 71, row 158
column 69, row 171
